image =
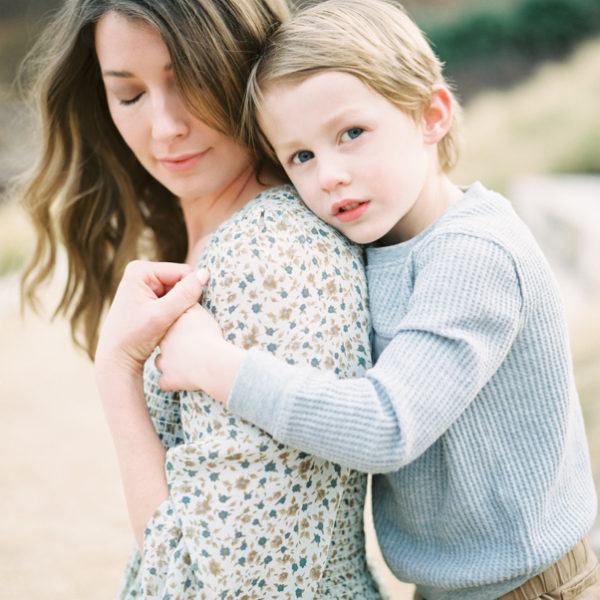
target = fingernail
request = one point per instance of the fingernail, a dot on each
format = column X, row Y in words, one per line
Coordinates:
column 203, row 276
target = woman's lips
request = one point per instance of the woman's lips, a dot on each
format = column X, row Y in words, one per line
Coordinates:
column 177, row 164
column 350, row 210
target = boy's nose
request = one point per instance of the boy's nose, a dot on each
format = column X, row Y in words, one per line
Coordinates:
column 332, row 174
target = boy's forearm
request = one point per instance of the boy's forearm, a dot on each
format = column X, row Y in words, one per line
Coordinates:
column 221, row 368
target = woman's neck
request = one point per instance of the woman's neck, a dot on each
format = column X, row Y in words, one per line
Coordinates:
column 203, row 215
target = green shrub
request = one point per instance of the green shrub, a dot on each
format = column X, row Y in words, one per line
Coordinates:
column 530, row 28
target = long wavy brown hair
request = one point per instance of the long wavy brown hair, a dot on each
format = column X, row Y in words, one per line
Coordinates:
column 87, row 190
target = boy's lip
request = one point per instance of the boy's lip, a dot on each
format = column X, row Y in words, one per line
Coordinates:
column 181, row 162
column 349, row 209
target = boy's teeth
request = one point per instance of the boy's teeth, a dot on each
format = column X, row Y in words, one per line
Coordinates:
column 349, row 207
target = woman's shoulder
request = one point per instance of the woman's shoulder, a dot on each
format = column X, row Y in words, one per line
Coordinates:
column 278, row 216
column 281, row 202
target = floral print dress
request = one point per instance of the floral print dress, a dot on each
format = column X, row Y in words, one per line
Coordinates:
column 248, row 517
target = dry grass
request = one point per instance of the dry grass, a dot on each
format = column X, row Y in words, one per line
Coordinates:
column 548, row 124
column 66, row 533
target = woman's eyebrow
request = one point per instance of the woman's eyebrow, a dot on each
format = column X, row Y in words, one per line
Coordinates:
column 110, row 73
column 125, row 74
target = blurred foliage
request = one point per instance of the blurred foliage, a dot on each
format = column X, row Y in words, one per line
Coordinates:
column 531, row 28
column 20, row 23
column 485, row 44
column 10, row 9
column 546, row 124
column 17, row 238
column 15, row 39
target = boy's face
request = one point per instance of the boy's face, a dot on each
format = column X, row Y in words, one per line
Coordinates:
column 359, row 162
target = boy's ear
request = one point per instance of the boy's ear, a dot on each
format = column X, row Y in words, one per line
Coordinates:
column 438, row 117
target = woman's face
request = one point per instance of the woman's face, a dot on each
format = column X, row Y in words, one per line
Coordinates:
column 187, row 156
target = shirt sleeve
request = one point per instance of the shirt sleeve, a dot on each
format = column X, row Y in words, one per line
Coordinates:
column 246, row 514
column 460, row 321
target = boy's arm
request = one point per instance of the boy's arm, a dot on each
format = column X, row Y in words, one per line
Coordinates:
column 459, row 325
column 460, row 322
column 210, row 365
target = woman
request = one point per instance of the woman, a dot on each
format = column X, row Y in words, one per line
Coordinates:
column 141, row 158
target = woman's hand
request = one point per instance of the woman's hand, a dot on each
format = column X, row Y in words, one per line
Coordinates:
column 150, row 297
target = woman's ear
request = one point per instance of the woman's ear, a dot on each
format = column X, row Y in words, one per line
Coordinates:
column 438, row 117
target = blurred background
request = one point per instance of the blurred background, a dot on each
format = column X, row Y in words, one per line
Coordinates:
column 527, row 73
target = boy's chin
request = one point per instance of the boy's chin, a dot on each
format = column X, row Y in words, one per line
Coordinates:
column 363, row 239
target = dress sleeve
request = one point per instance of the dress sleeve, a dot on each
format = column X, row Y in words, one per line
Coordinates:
column 162, row 406
column 248, row 516
column 455, row 331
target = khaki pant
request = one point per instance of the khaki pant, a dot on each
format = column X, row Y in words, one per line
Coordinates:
column 575, row 576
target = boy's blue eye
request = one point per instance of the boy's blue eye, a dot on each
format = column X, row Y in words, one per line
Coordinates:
column 351, row 133
column 302, row 156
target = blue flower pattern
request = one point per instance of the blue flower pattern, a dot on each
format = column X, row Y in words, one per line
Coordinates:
column 248, row 517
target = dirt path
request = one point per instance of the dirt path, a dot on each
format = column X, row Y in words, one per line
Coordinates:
column 65, row 533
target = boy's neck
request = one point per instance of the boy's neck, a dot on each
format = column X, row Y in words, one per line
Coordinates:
column 437, row 196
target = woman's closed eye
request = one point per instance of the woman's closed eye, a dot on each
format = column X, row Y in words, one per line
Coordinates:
column 130, row 101
column 301, row 157
column 351, row 134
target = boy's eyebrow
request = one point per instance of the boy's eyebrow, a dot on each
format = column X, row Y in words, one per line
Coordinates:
column 128, row 74
column 286, row 145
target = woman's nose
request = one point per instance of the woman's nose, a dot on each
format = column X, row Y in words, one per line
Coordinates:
column 170, row 118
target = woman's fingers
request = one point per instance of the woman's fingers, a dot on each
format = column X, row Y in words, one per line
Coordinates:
column 183, row 295
column 150, row 297
column 155, row 277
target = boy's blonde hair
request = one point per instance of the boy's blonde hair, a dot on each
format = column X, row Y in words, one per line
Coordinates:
column 374, row 40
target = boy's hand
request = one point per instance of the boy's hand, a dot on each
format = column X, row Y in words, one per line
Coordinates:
column 188, row 350
column 149, row 299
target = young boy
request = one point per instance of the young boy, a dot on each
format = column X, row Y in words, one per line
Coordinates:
column 470, row 418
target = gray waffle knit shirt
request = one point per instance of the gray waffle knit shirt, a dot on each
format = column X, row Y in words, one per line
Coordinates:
column 469, row 420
